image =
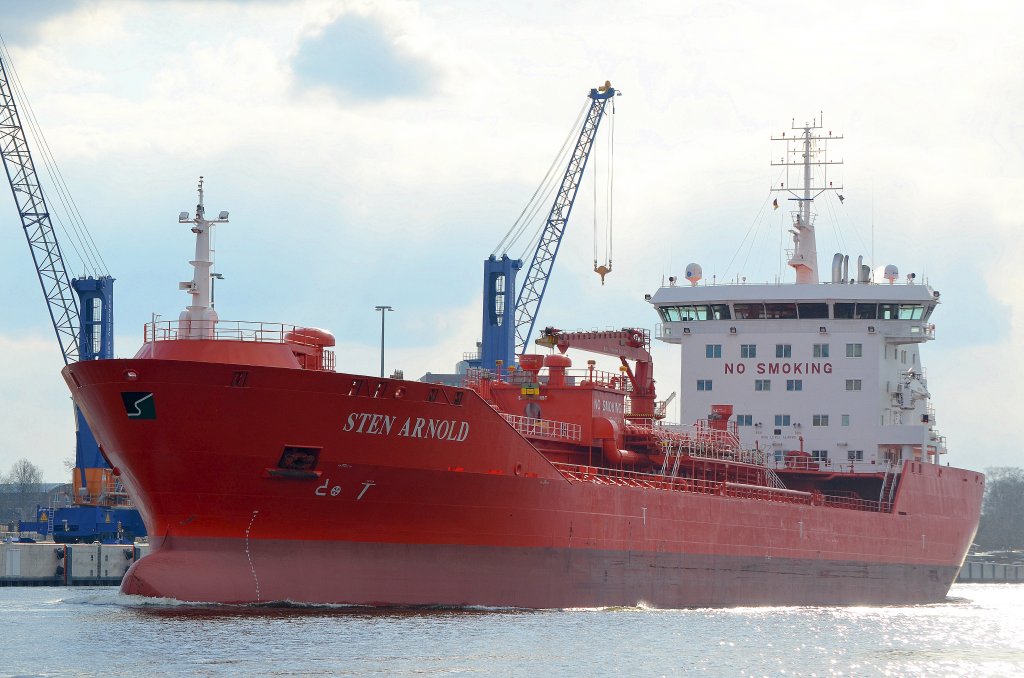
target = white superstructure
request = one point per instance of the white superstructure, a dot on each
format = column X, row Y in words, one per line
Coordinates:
column 830, row 369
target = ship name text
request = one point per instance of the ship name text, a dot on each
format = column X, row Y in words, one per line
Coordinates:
column 413, row 427
column 780, row 368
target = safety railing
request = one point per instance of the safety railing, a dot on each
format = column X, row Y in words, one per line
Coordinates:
column 573, row 377
column 545, row 428
column 623, row 478
column 244, row 330
column 799, row 463
column 235, row 330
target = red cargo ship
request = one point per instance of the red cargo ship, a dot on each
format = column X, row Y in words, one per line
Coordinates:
column 264, row 475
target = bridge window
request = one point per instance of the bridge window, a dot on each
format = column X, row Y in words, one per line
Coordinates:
column 748, row 350
column 783, row 311
column 813, row 311
column 720, row 312
column 694, row 312
column 749, row 311
column 911, row 311
column 888, row 311
column 843, row 311
column 867, row 311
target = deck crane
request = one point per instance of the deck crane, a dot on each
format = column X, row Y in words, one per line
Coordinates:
column 85, row 334
column 502, row 338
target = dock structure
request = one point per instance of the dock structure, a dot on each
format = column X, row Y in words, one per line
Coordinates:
column 51, row 564
column 975, row 571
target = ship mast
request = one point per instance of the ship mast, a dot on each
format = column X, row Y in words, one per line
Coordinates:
column 805, row 150
column 198, row 319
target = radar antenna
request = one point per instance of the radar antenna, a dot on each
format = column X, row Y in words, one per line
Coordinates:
column 805, row 150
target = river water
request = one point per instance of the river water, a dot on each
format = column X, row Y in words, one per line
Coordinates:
column 978, row 631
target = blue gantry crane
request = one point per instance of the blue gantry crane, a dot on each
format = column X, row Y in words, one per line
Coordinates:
column 508, row 318
column 82, row 313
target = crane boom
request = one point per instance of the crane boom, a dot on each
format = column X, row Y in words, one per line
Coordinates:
column 35, row 220
column 85, row 335
column 536, row 282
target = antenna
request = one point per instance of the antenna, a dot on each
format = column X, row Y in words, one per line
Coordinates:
column 199, row 319
column 806, row 150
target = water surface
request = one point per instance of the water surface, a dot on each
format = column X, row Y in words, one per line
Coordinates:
column 978, row 631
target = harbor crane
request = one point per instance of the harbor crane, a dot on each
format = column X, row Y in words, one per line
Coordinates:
column 509, row 318
column 82, row 312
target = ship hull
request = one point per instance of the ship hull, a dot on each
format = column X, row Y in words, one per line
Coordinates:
column 424, row 495
column 388, row 574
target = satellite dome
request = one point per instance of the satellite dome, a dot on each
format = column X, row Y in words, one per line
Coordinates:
column 891, row 273
column 694, row 273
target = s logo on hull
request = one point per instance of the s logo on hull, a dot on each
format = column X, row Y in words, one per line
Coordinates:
column 139, row 404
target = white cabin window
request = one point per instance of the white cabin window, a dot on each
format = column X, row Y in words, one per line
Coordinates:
column 748, row 350
column 782, row 419
column 846, row 420
column 703, row 384
column 819, row 455
column 820, row 420
column 855, row 455
column 853, row 384
column 794, row 384
column 821, row 350
column 744, row 420
column 762, row 384
column 713, row 350
column 783, row 350
column 854, row 350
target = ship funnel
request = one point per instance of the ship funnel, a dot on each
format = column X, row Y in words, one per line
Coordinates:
column 846, row 267
column 863, row 272
column 837, row 268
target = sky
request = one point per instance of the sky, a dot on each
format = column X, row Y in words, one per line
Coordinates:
column 376, row 152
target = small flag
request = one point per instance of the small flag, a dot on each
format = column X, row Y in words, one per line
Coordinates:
column 841, row 198
column 775, row 204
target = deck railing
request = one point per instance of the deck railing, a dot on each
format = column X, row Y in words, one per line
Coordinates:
column 228, row 330
column 654, row 481
column 545, row 428
column 244, row 330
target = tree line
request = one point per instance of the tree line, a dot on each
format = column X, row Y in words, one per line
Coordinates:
column 24, row 477
column 1002, row 510
column 20, row 490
